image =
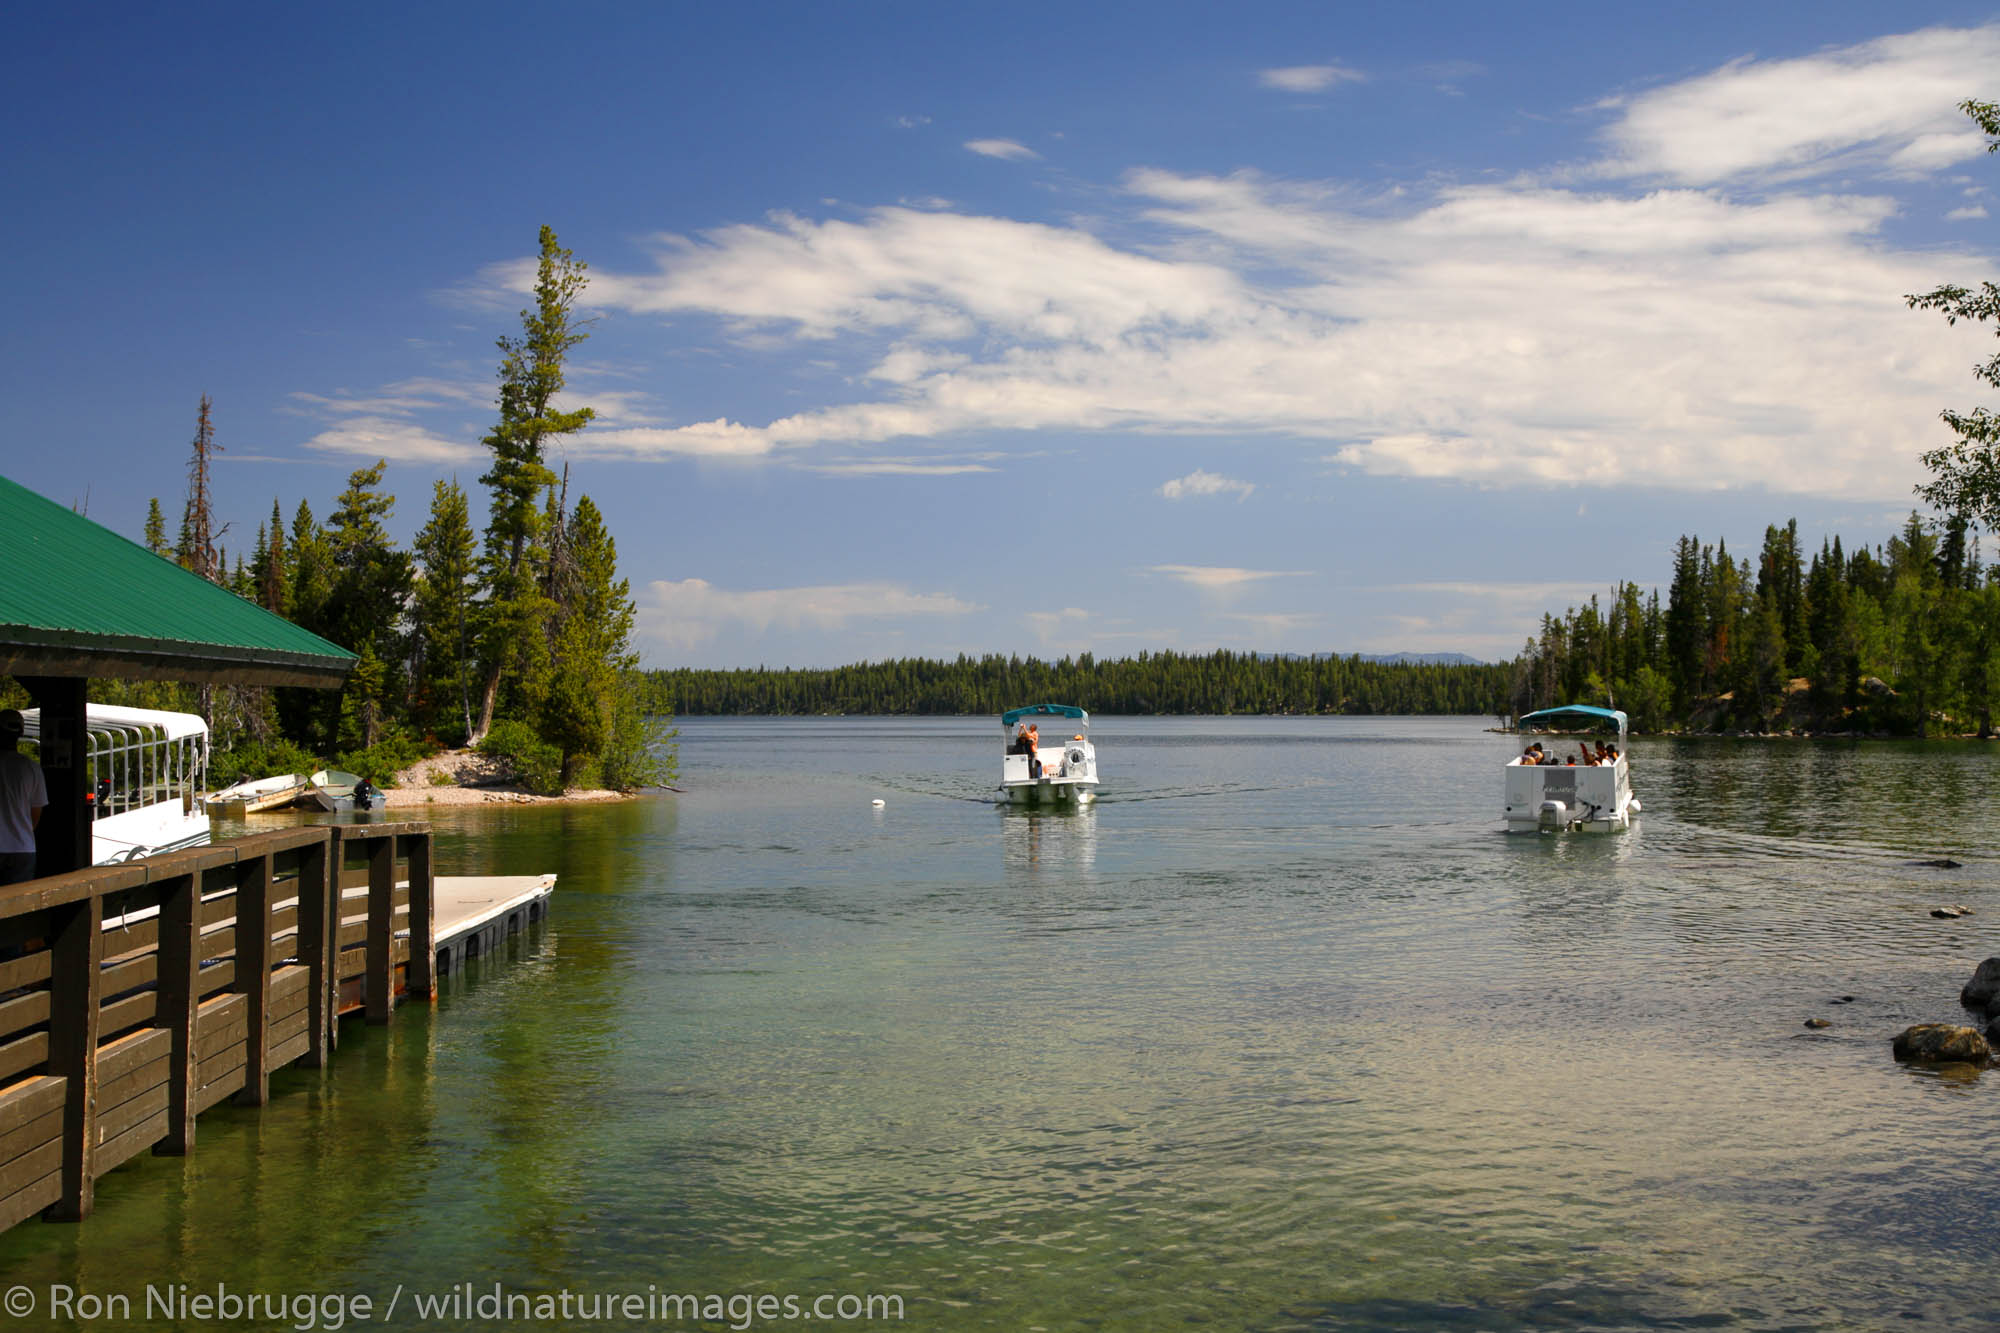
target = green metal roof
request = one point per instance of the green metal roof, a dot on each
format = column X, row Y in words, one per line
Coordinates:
column 77, row 599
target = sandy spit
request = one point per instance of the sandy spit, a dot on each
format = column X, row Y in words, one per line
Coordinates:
column 441, row 779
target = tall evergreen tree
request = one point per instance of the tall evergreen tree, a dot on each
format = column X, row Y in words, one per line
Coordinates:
column 531, row 375
column 442, row 612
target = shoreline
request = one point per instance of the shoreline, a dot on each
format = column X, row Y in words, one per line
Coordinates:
column 416, row 798
column 467, row 777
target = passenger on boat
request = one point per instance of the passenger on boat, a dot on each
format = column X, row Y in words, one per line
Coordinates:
column 1034, row 750
column 1021, row 744
column 1533, row 754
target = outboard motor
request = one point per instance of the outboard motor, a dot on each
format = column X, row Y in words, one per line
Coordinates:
column 1553, row 817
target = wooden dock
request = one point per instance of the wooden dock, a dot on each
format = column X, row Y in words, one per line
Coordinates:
column 133, row 997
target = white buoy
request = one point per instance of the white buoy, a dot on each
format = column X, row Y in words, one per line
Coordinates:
column 880, row 801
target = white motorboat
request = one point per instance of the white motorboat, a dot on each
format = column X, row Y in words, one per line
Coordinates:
column 147, row 769
column 254, row 794
column 1571, row 796
column 1055, row 771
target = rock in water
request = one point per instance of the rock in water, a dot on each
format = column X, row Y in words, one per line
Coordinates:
column 1818, row 1023
column 1942, row 1043
column 1984, row 986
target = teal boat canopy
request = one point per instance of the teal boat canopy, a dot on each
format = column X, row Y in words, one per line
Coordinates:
column 1075, row 714
column 1575, row 710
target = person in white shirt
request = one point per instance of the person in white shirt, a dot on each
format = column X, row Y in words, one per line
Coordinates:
column 24, row 794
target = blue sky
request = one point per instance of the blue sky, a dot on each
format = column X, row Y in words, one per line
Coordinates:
column 926, row 329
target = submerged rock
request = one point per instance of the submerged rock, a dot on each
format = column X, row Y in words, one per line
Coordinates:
column 1951, row 913
column 1984, row 986
column 1941, row 863
column 1942, row 1043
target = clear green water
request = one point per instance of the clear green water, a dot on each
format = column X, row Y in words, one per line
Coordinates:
column 1282, row 1034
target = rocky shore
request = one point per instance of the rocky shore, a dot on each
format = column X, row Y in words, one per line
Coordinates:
column 467, row 777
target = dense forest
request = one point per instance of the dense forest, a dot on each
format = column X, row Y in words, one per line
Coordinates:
column 1166, row 682
column 1901, row 639
column 517, row 639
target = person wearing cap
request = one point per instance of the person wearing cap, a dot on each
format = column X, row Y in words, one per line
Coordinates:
column 24, row 794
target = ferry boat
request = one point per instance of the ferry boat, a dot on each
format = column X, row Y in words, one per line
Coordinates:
column 1058, row 771
column 1571, row 797
column 147, row 770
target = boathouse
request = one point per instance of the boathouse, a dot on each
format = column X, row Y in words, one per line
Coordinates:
column 79, row 601
column 135, row 996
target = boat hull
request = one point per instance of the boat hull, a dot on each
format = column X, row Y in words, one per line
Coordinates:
column 1049, row 791
column 1569, row 798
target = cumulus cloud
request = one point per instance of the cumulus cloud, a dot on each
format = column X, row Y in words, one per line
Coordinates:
column 680, row 615
column 1308, row 78
column 1200, row 483
column 396, row 440
column 1886, row 104
column 1970, row 213
column 1006, row 149
column 1741, row 330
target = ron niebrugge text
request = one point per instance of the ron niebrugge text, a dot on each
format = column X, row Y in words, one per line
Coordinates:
column 306, row 1312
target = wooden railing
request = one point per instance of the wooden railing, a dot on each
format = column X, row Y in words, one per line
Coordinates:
column 134, row 997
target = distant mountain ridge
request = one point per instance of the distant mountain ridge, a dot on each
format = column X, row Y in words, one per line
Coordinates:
column 1422, row 659
column 1387, row 659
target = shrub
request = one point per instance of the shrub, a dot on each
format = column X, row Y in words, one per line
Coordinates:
column 535, row 762
column 254, row 759
column 380, row 762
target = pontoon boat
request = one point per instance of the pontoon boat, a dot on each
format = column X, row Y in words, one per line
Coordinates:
column 1061, row 770
column 1571, row 796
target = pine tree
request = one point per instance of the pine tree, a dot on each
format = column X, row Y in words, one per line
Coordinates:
column 531, row 375
column 442, row 612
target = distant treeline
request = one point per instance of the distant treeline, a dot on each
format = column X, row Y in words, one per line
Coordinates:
column 1151, row 683
column 1902, row 639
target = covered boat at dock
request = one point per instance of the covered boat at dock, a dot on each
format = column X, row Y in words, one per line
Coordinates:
column 1572, row 796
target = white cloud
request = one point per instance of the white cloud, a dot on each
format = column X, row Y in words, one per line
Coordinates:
column 403, row 398
column 1308, row 78
column 680, row 615
column 1970, row 213
column 1060, row 631
column 1700, row 339
column 1214, row 578
column 1003, row 148
column 396, row 440
column 1200, row 483
column 1887, row 104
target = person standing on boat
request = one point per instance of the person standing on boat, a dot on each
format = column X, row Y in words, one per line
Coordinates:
column 1034, row 750
column 24, row 794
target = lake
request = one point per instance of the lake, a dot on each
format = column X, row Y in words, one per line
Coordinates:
column 1283, row 1033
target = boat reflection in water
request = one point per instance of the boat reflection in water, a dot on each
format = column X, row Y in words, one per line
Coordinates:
column 1051, row 842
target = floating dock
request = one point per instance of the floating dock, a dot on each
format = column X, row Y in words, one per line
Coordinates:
column 476, row 913
column 135, row 996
